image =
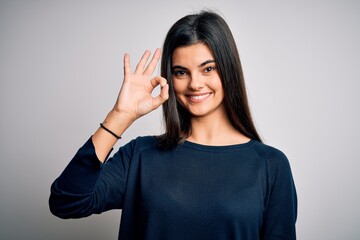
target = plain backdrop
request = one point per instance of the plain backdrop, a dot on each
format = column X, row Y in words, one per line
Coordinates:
column 61, row 70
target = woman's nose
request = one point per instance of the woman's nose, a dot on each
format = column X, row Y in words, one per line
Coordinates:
column 196, row 83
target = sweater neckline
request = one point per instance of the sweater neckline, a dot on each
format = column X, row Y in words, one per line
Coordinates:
column 222, row 148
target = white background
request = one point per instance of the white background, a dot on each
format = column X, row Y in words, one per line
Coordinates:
column 61, row 69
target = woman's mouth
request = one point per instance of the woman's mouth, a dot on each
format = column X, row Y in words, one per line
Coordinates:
column 198, row 97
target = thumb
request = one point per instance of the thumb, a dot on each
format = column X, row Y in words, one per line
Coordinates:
column 162, row 97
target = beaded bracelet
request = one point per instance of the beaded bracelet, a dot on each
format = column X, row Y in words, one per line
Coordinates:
column 109, row 131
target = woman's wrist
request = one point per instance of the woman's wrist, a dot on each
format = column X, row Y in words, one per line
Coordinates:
column 114, row 124
column 117, row 122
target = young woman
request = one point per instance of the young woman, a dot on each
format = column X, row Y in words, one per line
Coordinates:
column 208, row 176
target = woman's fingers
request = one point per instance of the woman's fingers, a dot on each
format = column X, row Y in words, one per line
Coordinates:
column 142, row 63
column 162, row 97
column 136, row 92
column 127, row 68
column 158, row 80
column 164, row 92
column 148, row 70
column 152, row 64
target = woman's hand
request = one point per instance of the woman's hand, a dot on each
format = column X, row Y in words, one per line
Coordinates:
column 135, row 99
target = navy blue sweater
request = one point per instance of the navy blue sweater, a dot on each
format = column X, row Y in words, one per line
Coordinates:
column 243, row 191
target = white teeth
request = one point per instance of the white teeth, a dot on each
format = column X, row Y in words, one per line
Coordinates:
column 200, row 97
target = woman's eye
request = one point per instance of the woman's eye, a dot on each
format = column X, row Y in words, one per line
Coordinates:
column 179, row 72
column 209, row 69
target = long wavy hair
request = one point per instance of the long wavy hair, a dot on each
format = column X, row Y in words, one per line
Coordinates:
column 211, row 29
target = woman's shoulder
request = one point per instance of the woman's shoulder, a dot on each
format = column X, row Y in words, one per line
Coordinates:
column 142, row 143
column 270, row 154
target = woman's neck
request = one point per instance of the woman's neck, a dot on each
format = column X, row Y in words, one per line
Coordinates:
column 216, row 131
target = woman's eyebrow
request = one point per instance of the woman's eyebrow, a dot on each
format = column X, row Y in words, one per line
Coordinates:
column 179, row 67
column 206, row 62
column 201, row 65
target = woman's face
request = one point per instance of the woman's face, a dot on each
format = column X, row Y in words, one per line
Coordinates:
column 197, row 83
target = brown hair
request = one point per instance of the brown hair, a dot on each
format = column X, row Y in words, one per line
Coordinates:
column 211, row 29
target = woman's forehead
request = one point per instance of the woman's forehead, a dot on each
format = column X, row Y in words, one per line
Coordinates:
column 192, row 54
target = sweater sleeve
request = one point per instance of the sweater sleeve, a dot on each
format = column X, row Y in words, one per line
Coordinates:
column 281, row 205
column 87, row 186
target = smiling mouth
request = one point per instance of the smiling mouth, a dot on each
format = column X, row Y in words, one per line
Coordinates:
column 197, row 98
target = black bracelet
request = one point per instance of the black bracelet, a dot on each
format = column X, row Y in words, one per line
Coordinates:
column 109, row 131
